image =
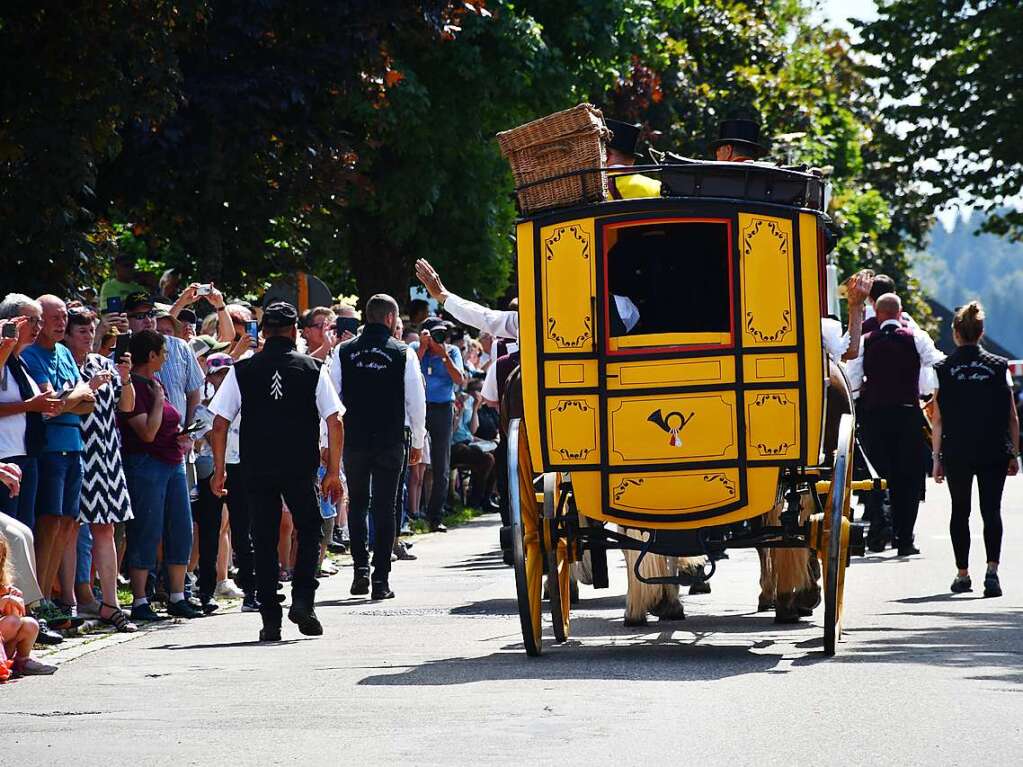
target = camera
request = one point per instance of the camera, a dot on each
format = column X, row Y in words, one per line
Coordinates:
column 204, row 290
column 439, row 335
column 10, row 330
column 344, row 325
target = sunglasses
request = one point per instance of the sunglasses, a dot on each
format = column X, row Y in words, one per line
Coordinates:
column 142, row 315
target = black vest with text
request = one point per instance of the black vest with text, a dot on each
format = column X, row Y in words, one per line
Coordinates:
column 280, row 428
column 974, row 398
column 373, row 388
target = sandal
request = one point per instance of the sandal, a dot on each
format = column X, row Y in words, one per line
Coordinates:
column 117, row 619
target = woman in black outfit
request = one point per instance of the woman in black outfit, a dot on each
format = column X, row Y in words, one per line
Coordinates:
column 976, row 434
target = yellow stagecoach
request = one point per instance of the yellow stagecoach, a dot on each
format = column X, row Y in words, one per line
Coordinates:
column 674, row 382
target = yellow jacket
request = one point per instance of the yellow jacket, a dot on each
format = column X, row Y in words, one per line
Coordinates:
column 628, row 185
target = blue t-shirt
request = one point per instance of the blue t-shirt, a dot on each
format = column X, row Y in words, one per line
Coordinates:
column 439, row 386
column 462, row 433
column 57, row 368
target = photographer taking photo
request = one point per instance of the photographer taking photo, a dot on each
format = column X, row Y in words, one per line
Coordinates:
column 441, row 364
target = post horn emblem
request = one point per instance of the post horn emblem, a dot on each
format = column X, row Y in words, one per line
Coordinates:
column 672, row 423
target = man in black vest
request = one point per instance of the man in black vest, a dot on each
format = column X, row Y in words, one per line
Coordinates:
column 282, row 395
column 382, row 389
column 889, row 407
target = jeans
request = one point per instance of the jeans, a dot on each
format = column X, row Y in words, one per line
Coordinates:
column 60, row 484
column 241, row 529
column 23, row 506
column 990, row 483
column 376, row 470
column 264, row 496
column 438, row 428
column 159, row 498
column 83, row 566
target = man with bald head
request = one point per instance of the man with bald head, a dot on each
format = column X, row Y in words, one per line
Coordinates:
column 53, row 368
column 889, row 409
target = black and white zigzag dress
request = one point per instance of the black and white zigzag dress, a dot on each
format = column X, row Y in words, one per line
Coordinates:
column 104, row 489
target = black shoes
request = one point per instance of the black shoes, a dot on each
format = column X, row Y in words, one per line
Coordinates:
column 962, row 584
column 381, row 591
column 181, row 609
column 992, row 588
column 47, row 636
column 145, row 612
column 438, row 527
column 360, row 583
column 304, row 616
column 209, row 607
column 908, row 551
column 270, row 634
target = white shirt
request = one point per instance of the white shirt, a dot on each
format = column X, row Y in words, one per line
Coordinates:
column 494, row 321
column 627, row 311
column 836, row 343
column 227, row 402
column 12, row 427
column 925, row 348
column 415, row 393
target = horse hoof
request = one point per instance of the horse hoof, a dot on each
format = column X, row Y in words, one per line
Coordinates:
column 633, row 622
column 786, row 618
column 765, row 606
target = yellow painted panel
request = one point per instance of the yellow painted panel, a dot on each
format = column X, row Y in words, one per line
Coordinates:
column 573, row 429
column 648, row 340
column 673, row 492
column 671, row 428
column 772, row 424
column 761, row 487
column 576, row 373
column 814, row 373
column 695, row 371
column 527, row 339
column 568, row 278
column 768, row 281
column 770, row 368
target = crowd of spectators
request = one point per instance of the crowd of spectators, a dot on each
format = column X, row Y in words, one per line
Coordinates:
column 105, row 457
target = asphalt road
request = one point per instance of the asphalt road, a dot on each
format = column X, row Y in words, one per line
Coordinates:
column 437, row 676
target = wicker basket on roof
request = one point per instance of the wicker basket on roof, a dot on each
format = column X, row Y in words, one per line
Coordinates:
column 561, row 143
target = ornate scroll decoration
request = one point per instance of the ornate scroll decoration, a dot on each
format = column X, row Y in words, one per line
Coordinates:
column 622, row 487
column 571, row 427
column 728, row 484
column 784, row 325
column 569, row 322
column 781, row 446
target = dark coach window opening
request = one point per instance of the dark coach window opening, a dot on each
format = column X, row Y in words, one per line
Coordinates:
column 669, row 284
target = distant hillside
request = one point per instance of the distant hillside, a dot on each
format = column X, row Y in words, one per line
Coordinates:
column 959, row 266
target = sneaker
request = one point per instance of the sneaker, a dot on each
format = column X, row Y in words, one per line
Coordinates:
column 438, row 527
column 183, row 609
column 209, row 607
column 327, row 569
column 250, row 604
column 961, row 584
column 306, row 620
column 145, row 612
column 401, row 552
column 270, row 634
column 228, row 590
column 992, row 588
column 360, row 584
column 32, row 667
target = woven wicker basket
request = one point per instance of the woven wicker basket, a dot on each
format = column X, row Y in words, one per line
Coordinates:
column 560, row 143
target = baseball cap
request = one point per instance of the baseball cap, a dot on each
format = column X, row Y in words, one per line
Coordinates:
column 436, row 322
column 280, row 314
column 218, row 361
column 136, row 301
column 212, row 344
column 187, row 315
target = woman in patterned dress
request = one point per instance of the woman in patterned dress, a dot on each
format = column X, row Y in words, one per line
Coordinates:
column 105, row 501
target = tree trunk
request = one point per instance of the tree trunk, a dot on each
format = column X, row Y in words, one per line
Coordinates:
column 377, row 266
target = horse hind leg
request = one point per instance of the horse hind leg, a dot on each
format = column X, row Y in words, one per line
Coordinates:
column 669, row 603
column 635, row 596
column 767, row 585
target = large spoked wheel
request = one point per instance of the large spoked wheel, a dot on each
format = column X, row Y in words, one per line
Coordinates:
column 836, row 534
column 525, row 519
column 559, row 567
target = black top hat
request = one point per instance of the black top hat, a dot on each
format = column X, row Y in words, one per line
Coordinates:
column 742, row 133
column 624, row 136
column 280, row 314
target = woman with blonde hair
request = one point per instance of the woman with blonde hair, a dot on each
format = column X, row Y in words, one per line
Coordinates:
column 975, row 434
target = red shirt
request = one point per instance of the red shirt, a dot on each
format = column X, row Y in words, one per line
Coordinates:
column 164, row 446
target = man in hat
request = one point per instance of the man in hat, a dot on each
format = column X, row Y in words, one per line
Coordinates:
column 282, row 396
column 441, row 365
column 123, row 283
column 621, row 151
column 738, row 141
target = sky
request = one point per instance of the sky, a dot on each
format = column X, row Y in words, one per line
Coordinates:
column 837, row 11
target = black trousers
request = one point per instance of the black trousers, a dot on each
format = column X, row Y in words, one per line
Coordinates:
column 893, row 438
column 241, row 529
column 206, row 511
column 990, row 483
column 373, row 479
column 438, row 428
column 481, row 464
column 264, row 494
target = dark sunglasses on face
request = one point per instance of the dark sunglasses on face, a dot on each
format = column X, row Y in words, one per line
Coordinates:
column 142, row 315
